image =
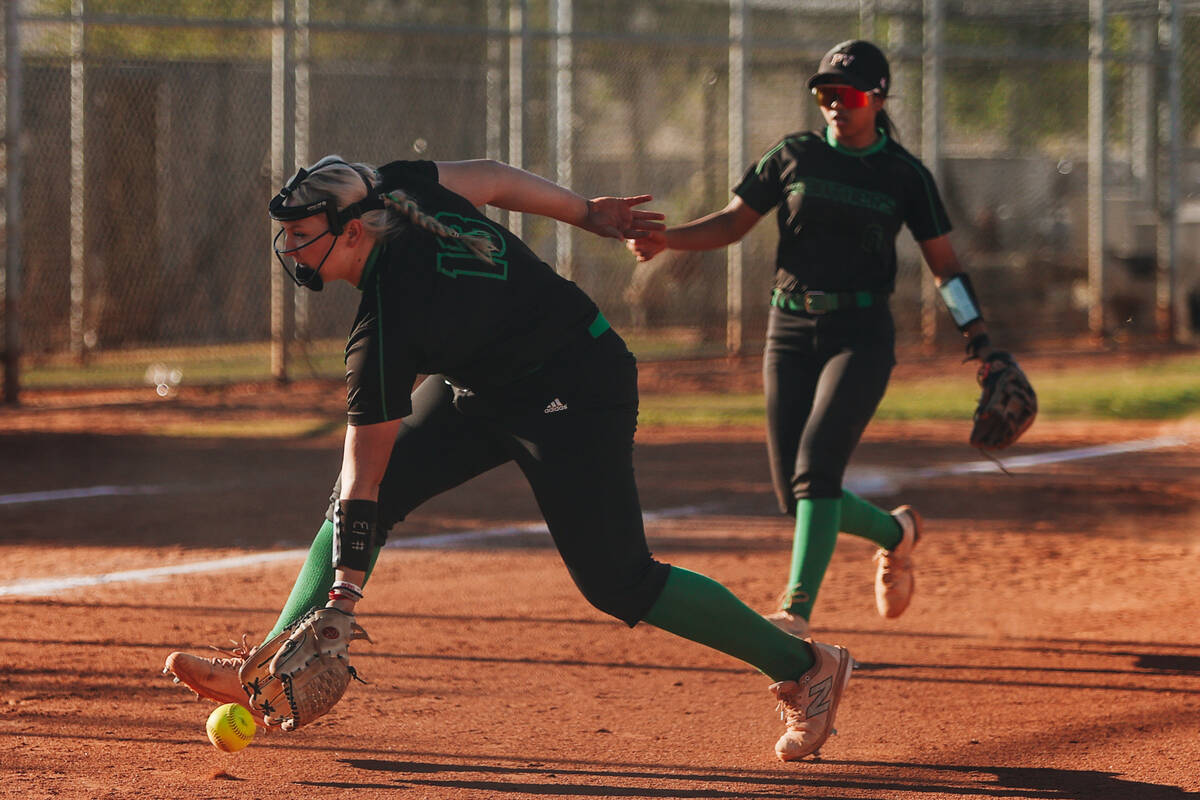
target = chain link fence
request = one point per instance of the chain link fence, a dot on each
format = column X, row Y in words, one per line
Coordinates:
column 149, row 137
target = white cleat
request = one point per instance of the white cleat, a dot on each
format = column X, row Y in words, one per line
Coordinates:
column 894, row 581
column 213, row 678
column 809, row 704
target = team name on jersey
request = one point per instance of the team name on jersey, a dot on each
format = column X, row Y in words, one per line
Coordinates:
column 841, row 193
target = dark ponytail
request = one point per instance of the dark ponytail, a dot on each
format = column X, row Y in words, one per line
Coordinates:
column 885, row 124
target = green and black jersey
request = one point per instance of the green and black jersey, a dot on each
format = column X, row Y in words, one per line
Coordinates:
column 839, row 210
column 430, row 307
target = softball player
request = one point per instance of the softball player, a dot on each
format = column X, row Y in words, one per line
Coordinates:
column 523, row 367
column 841, row 196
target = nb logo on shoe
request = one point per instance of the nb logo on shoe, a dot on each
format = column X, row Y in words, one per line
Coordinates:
column 555, row 405
column 820, row 693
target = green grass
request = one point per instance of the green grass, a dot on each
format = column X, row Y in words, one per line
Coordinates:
column 1161, row 389
column 241, row 363
column 217, row 364
column 700, row 409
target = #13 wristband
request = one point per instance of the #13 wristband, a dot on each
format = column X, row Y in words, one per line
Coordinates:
column 354, row 533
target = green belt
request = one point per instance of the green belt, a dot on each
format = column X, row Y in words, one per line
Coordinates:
column 813, row 302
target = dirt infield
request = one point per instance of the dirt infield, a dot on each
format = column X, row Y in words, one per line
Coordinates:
column 1052, row 650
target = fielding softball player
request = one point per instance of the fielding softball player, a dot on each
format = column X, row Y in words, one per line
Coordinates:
column 841, row 196
column 523, row 367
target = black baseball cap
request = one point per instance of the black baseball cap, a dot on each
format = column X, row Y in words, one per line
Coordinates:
column 854, row 63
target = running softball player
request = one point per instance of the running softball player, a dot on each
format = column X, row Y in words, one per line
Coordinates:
column 841, row 196
column 523, row 367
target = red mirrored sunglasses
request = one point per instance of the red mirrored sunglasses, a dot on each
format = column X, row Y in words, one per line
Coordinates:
column 846, row 96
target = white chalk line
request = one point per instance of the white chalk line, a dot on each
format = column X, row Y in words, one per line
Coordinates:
column 888, row 481
column 42, row 587
column 866, row 482
column 1076, row 454
column 80, row 493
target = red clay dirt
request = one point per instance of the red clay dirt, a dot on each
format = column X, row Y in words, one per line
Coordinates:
column 1051, row 650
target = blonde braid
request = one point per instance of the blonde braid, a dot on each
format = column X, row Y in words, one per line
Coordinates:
column 480, row 246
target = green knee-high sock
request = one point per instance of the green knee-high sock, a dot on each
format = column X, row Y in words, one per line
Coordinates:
column 817, row 523
column 869, row 521
column 698, row 608
column 314, row 581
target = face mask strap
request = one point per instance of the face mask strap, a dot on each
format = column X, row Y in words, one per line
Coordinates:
column 280, row 211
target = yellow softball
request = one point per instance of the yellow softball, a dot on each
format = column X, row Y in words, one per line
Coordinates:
column 230, row 727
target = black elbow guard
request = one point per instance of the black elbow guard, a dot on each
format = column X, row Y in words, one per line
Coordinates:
column 354, row 524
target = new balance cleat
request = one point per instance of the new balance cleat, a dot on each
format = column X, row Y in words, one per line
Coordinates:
column 809, row 704
column 213, row 678
column 894, row 568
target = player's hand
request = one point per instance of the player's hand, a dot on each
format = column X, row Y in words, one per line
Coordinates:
column 648, row 246
column 616, row 217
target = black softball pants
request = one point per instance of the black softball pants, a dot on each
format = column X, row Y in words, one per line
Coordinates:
column 823, row 377
column 578, row 461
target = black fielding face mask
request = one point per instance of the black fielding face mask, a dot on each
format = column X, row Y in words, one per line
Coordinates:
column 301, row 274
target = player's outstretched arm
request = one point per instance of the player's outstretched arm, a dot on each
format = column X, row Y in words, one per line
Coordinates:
column 616, row 218
column 719, row 229
column 493, row 183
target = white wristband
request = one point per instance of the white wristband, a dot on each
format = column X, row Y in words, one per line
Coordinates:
column 960, row 300
column 349, row 588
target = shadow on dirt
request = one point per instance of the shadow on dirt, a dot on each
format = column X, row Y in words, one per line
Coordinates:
column 1177, row 664
column 847, row 777
column 1037, row 782
column 1019, row 675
